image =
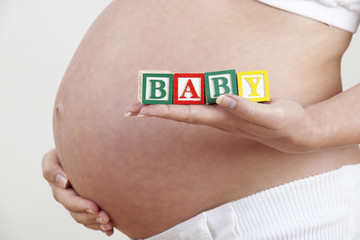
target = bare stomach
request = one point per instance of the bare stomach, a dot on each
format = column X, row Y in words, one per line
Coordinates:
column 150, row 174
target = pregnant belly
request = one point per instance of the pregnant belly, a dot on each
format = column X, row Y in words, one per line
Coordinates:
column 151, row 174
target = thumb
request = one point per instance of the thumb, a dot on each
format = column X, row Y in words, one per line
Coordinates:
column 52, row 170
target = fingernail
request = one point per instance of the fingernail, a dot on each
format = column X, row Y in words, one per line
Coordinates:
column 140, row 115
column 128, row 114
column 100, row 220
column 61, row 180
column 105, row 227
column 226, row 102
column 91, row 211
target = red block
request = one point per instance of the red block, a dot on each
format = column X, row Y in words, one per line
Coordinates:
column 189, row 88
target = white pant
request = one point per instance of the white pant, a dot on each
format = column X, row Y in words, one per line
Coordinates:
column 325, row 206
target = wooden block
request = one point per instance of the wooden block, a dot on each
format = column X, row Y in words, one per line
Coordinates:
column 254, row 85
column 155, row 87
column 189, row 88
column 219, row 83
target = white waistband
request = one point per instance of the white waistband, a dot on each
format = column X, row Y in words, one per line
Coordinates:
column 325, row 206
column 337, row 15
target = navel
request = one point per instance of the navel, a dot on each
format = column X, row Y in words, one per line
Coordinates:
column 59, row 110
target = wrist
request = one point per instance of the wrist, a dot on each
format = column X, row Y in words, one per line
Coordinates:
column 317, row 132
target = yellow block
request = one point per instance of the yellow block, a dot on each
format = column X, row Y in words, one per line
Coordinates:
column 254, row 85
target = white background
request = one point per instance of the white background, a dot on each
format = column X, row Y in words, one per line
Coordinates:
column 37, row 41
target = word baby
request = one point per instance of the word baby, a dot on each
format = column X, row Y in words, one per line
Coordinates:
column 164, row 87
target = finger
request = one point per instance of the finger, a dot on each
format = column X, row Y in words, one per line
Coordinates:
column 106, row 229
column 210, row 115
column 87, row 218
column 93, row 226
column 133, row 109
column 103, row 217
column 268, row 115
column 72, row 202
column 110, row 232
column 102, row 227
column 194, row 114
column 84, row 218
column 52, row 170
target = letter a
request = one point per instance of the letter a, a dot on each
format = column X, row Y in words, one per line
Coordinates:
column 189, row 88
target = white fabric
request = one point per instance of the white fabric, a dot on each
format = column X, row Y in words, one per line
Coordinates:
column 344, row 14
column 321, row 207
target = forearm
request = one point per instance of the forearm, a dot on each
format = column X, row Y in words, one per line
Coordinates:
column 337, row 120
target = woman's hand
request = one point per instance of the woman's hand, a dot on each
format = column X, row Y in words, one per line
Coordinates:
column 281, row 124
column 82, row 210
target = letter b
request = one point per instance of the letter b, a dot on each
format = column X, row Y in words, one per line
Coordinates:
column 219, row 83
column 157, row 85
column 223, row 85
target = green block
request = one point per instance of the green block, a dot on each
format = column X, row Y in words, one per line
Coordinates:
column 155, row 88
column 219, row 83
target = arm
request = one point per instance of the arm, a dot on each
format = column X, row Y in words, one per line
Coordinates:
column 281, row 124
column 82, row 210
column 337, row 120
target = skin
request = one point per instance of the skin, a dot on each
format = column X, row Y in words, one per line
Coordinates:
column 141, row 169
column 82, row 210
